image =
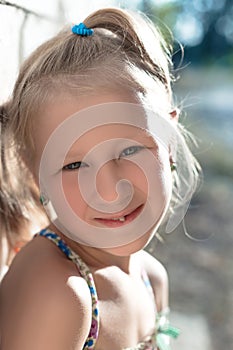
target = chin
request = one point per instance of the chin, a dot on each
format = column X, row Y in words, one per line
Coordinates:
column 133, row 247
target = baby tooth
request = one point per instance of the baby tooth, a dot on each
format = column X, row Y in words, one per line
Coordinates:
column 122, row 219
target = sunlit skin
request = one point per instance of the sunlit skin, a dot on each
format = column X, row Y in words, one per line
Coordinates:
column 108, row 175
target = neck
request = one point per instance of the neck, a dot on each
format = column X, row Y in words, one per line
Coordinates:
column 95, row 258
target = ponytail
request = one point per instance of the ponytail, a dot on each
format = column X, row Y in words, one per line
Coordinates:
column 141, row 41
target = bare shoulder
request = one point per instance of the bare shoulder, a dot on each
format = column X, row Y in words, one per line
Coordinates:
column 158, row 277
column 44, row 303
column 155, row 270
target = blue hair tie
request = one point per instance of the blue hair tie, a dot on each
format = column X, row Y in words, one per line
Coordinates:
column 81, row 29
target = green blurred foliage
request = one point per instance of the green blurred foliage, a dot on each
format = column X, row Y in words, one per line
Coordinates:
column 210, row 22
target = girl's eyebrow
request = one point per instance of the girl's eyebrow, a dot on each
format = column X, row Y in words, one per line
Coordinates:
column 129, row 136
column 73, row 154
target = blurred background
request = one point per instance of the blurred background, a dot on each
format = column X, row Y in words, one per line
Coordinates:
column 198, row 254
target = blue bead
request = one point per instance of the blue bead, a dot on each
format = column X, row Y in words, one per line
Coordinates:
column 92, row 290
column 90, row 342
column 96, row 312
column 52, row 235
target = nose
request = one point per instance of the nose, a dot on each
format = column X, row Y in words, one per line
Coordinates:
column 106, row 180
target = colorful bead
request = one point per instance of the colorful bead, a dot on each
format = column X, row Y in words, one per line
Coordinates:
column 86, row 273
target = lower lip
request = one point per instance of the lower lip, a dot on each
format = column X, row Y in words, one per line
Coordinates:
column 128, row 218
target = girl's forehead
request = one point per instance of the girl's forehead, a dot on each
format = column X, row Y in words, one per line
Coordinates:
column 58, row 111
column 61, row 107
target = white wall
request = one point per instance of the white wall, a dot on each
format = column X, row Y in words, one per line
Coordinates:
column 17, row 41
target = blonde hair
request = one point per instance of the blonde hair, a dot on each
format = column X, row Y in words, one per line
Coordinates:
column 125, row 50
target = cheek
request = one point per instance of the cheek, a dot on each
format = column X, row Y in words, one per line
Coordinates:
column 136, row 175
column 151, row 174
column 73, row 194
column 163, row 178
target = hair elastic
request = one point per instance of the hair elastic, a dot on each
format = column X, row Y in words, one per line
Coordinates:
column 81, row 29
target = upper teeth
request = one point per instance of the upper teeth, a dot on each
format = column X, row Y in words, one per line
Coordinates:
column 120, row 219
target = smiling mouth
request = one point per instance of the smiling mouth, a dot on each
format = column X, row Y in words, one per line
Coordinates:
column 122, row 220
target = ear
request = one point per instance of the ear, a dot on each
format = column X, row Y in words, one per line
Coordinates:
column 175, row 114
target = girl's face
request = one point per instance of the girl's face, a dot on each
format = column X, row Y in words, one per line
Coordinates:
column 109, row 183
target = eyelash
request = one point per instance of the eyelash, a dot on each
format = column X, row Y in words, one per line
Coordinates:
column 66, row 167
column 135, row 149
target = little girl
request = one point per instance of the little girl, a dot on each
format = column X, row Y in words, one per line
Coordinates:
column 91, row 129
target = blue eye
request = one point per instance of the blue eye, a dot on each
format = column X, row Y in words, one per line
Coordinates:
column 131, row 150
column 74, row 166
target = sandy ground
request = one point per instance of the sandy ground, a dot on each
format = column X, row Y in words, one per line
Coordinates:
column 195, row 333
column 201, row 271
